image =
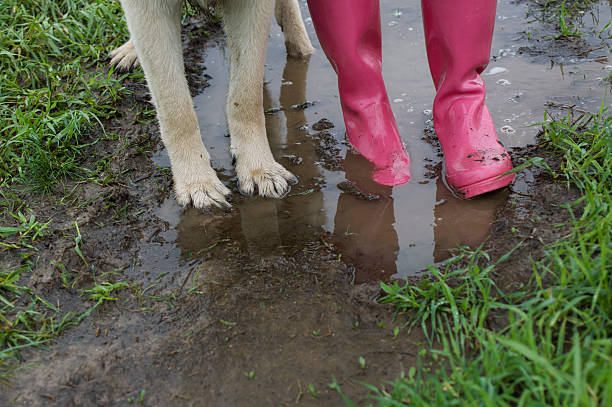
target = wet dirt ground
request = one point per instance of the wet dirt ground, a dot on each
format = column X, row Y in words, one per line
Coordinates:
column 285, row 289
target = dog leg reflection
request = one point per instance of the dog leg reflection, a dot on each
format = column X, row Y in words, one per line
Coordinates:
column 266, row 225
column 306, row 210
column 363, row 229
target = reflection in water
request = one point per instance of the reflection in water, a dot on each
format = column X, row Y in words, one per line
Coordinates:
column 406, row 228
column 364, row 222
column 259, row 224
column 462, row 222
column 363, row 228
column 293, row 92
column 269, row 224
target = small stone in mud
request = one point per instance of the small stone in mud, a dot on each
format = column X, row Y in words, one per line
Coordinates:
column 433, row 170
column 496, row 70
column 322, row 124
column 295, row 160
column 523, row 50
column 326, row 148
column 273, row 110
column 302, row 106
column 352, row 189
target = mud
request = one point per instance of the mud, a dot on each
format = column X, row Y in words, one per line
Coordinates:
column 259, row 304
column 293, row 322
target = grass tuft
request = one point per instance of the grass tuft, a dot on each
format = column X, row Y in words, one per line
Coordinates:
column 55, row 90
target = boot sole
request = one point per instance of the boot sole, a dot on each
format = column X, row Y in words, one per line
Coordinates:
column 480, row 187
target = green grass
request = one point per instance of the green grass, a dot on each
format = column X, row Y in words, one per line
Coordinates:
column 566, row 28
column 55, row 87
column 567, row 16
column 550, row 344
column 23, row 235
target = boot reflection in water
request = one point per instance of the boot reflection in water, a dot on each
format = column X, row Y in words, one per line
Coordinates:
column 364, row 229
column 462, row 223
column 458, row 37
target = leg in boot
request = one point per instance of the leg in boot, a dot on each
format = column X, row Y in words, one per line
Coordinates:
column 349, row 32
column 458, row 37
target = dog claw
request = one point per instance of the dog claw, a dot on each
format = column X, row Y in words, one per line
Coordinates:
column 124, row 58
column 203, row 195
column 271, row 181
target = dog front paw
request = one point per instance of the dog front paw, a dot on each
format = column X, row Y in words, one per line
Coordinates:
column 270, row 179
column 124, row 58
column 203, row 193
column 299, row 47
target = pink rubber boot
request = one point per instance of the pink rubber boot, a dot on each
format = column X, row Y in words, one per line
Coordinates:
column 349, row 32
column 458, row 36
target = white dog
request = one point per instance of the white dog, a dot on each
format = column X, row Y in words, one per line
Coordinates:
column 155, row 43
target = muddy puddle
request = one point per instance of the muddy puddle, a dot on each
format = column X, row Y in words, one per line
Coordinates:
column 381, row 232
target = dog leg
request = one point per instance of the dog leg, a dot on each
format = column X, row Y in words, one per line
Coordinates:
column 155, row 29
column 289, row 17
column 247, row 24
column 124, row 58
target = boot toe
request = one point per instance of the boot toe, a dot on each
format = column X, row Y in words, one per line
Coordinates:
column 478, row 174
column 396, row 174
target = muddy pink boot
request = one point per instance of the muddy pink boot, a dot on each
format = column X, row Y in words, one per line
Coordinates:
column 458, row 37
column 349, row 32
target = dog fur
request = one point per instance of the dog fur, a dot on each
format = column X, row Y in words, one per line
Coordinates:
column 155, row 44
